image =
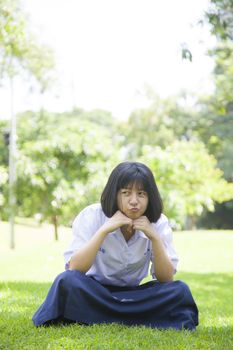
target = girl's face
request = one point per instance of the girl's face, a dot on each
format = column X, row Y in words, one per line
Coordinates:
column 132, row 201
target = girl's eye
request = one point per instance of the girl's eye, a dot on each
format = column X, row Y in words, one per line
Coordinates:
column 125, row 192
column 142, row 194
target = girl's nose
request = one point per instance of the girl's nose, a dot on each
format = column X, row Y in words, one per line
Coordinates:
column 133, row 199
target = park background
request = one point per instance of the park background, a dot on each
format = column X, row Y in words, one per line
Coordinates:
column 61, row 158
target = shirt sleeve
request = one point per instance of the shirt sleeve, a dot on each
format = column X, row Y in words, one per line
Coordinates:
column 84, row 227
column 164, row 230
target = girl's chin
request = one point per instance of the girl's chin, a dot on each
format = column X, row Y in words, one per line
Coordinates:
column 132, row 215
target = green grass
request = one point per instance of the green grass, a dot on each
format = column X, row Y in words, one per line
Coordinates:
column 27, row 272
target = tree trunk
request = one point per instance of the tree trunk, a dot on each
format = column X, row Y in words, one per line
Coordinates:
column 190, row 222
column 55, row 225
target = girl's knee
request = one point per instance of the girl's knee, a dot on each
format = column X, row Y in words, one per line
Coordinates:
column 69, row 277
column 183, row 288
column 182, row 285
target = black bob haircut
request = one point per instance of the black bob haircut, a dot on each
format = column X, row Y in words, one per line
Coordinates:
column 124, row 175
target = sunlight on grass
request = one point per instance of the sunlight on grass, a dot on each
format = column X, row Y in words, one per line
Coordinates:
column 27, row 272
column 205, row 251
column 38, row 256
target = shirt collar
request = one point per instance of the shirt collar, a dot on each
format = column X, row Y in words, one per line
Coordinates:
column 137, row 234
column 140, row 234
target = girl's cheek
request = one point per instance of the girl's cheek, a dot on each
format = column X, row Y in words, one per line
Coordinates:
column 120, row 204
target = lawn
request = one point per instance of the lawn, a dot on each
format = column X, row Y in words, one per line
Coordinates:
column 206, row 264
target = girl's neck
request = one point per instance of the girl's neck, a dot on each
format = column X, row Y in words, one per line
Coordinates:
column 127, row 232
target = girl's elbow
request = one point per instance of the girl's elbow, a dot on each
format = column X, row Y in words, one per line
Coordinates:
column 165, row 277
column 73, row 265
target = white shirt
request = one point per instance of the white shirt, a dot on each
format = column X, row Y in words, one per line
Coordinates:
column 118, row 262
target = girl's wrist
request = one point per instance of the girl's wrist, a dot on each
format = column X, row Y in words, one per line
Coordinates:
column 102, row 232
column 155, row 238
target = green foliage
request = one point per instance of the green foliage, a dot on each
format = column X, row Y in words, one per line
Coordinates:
column 221, row 218
column 64, row 161
column 3, row 182
column 62, row 164
column 216, row 112
column 187, row 177
column 165, row 121
column 20, row 49
column 4, row 139
column 3, row 164
column 176, row 139
column 218, row 138
column 151, row 126
column 186, row 54
column 219, row 15
column 223, row 55
column 177, row 121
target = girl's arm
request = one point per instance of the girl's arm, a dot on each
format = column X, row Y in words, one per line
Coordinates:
column 163, row 266
column 164, row 269
column 84, row 257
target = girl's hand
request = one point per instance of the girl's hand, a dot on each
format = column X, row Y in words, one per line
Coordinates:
column 144, row 225
column 116, row 221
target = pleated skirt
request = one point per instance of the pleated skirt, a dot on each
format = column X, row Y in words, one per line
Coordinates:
column 75, row 297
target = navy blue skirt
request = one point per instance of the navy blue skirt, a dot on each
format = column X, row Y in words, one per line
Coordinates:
column 75, row 297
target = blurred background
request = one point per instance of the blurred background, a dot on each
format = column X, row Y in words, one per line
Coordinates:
column 86, row 85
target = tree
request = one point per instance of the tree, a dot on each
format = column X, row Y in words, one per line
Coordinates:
column 20, row 52
column 163, row 122
column 3, row 182
column 188, row 179
column 218, row 133
column 19, row 48
column 219, row 108
column 216, row 111
column 219, row 16
column 63, row 164
column 4, row 144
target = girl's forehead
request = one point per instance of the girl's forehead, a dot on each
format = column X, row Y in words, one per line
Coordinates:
column 138, row 185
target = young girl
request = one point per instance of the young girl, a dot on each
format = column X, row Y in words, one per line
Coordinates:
column 113, row 245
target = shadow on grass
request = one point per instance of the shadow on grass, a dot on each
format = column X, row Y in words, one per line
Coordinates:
column 212, row 292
